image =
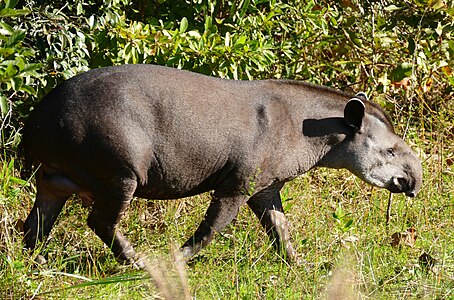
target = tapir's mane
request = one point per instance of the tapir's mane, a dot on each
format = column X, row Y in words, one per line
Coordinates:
column 372, row 108
column 321, row 88
column 377, row 111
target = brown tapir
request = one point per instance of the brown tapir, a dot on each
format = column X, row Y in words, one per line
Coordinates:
column 113, row 133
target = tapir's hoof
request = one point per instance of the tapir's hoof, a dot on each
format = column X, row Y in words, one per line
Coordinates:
column 291, row 256
column 186, row 253
column 138, row 261
column 298, row 261
column 139, row 265
column 294, row 260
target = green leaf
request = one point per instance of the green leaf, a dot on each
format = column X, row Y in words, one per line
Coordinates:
column 31, row 67
column 450, row 11
column 20, row 181
column 15, row 38
column 3, row 105
column 437, row 4
column 348, row 224
column 5, row 29
column 16, row 83
column 354, row 38
column 10, row 12
column 10, row 70
column 244, row 8
column 28, row 89
column 183, row 24
column 11, row 3
column 208, row 23
column 392, row 7
column 241, row 41
column 80, row 9
column 401, row 71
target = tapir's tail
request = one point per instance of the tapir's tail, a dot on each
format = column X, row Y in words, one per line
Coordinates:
column 26, row 158
column 27, row 169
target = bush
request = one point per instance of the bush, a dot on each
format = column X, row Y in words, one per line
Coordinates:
column 400, row 50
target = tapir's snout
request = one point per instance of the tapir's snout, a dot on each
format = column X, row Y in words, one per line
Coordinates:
column 410, row 183
column 403, row 185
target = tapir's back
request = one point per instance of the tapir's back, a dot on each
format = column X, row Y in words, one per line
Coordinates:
column 141, row 93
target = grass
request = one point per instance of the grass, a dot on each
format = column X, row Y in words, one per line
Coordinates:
column 338, row 226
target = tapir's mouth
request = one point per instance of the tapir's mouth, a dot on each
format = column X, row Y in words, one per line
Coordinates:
column 402, row 185
column 411, row 193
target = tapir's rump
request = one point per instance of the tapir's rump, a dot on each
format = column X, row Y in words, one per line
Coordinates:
column 155, row 132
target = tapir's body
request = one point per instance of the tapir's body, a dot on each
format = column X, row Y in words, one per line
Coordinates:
column 161, row 133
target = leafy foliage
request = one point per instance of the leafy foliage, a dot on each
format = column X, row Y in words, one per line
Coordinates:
column 370, row 46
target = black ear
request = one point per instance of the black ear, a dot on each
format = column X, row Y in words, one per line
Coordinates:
column 354, row 113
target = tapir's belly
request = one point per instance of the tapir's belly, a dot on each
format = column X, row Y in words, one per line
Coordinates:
column 178, row 188
column 169, row 192
column 181, row 185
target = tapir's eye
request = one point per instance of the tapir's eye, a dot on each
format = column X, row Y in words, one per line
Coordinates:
column 390, row 152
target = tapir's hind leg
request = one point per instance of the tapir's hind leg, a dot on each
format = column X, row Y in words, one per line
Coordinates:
column 267, row 206
column 52, row 192
column 104, row 218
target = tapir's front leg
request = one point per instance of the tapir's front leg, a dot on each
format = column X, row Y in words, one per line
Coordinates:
column 267, row 206
column 220, row 213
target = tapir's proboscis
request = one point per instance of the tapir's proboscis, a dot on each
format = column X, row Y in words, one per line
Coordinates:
column 114, row 133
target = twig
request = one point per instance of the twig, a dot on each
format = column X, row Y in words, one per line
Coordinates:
column 388, row 209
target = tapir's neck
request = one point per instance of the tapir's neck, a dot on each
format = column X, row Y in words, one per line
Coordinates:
column 323, row 150
column 317, row 115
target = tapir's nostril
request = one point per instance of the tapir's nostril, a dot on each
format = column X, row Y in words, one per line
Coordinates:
column 402, row 185
column 399, row 183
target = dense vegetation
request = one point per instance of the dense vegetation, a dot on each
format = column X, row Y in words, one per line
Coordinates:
column 399, row 52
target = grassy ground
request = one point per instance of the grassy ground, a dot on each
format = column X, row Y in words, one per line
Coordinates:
column 338, row 226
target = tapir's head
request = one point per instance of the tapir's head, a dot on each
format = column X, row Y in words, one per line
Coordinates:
column 375, row 153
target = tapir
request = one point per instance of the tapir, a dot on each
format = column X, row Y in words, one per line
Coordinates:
column 114, row 133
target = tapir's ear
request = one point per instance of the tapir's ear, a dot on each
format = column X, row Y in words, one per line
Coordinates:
column 361, row 96
column 354, row 113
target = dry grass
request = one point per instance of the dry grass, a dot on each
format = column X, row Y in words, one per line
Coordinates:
column 338, row 225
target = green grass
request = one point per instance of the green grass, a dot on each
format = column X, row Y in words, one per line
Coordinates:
column 338, row 226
